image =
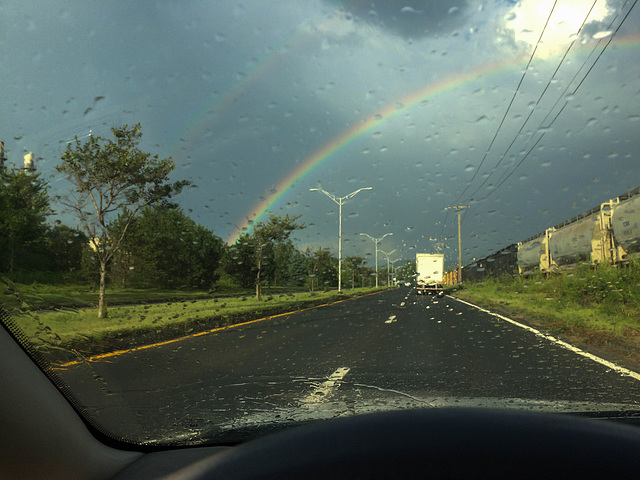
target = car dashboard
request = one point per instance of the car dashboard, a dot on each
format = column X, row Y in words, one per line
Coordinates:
column 44, row 437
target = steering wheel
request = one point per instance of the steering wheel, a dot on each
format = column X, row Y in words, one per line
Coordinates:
column 438, row 443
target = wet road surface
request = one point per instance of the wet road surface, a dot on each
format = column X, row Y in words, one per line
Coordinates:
column 385, row 351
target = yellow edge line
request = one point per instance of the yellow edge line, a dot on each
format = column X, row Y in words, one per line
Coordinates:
column 199, row 334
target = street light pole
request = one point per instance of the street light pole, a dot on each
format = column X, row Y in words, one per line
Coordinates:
column 375, row 241
column 340, row 201
column 459, row 208
column 393, row 266
column 387, row 255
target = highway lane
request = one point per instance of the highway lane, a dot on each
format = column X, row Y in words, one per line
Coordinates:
column 388, row 350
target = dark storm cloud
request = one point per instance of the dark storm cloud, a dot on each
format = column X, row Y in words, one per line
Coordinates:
column 412, row 19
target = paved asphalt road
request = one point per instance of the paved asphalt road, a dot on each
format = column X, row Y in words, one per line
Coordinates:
column 388, row 350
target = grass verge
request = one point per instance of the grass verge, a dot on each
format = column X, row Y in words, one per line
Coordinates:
column 63, row 333
column 598, row 309
column 40, row 296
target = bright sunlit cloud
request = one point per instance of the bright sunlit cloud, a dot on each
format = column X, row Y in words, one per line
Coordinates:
column 528, row 18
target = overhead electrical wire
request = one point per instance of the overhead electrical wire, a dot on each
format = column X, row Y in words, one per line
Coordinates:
column 515, row 93
column 533, row 110
column 502, row 181
column 504, row 177
column 595, row 47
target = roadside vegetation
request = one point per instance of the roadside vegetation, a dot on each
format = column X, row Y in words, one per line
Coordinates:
column 132, row 266
column 62, row 333
column 595, row 307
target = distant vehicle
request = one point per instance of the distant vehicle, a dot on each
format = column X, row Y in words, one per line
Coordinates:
column 430, row 268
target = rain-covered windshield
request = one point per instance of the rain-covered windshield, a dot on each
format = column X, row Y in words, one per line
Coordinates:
column 224, row 216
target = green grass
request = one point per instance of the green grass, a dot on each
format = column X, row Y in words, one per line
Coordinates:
column 599, row 307
column 38, row 296
column 127, row 326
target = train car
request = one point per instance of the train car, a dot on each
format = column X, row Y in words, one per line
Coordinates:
column 503, row 262
column 609, row 233
column 500, row 263
column 572, row 243
column 529, row 251
column 625, row 223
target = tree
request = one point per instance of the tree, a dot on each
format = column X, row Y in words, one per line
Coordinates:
column 322, row 267
column 407, row 272
column 296, row 270
column 65, row 246
column 24, row 207
column 354, row 266
column 111, row 177
column 238, row 261
column 265, row 236
column 289, row 265
column 166, row 248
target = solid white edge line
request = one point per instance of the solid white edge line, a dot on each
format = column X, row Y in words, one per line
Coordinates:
column 557, row 341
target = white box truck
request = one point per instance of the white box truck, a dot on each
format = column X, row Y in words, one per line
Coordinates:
column 430, row 273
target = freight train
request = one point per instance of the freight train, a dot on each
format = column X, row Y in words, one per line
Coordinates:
column 609, row 233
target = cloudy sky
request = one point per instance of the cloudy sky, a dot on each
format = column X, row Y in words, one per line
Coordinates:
column 528, row 112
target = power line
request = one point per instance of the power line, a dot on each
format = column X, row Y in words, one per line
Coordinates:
column 605, row 47
column 562, row 95
column 515, row 93
column 531, row 112
column 504, row 177
column 501, row 181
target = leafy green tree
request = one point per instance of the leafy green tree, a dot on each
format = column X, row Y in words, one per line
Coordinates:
column 111, row 177
column 283, row 264
column 322, row 267
column 207, row 253
column 166, row 248
column 24, row 207
column 355, row 267
column 406, row 272
column 367, row 274
column 296, row 268
column 265, row 237
column 238, row 261
column 289, row 265
column 65, row 246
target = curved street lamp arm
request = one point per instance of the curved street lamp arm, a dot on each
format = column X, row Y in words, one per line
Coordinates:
column 376, row 240
column 332, row 197
column 353, row 194
column 389, row 253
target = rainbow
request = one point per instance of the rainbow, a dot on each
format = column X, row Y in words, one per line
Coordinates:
column 342, row 140
column 214, row 110
column 391, row 110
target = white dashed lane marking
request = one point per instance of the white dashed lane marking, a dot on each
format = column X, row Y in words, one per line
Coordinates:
column 324, row 390
column 391, row 319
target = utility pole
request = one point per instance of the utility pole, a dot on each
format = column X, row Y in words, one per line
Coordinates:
column 340, row 201
column 459, row 208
